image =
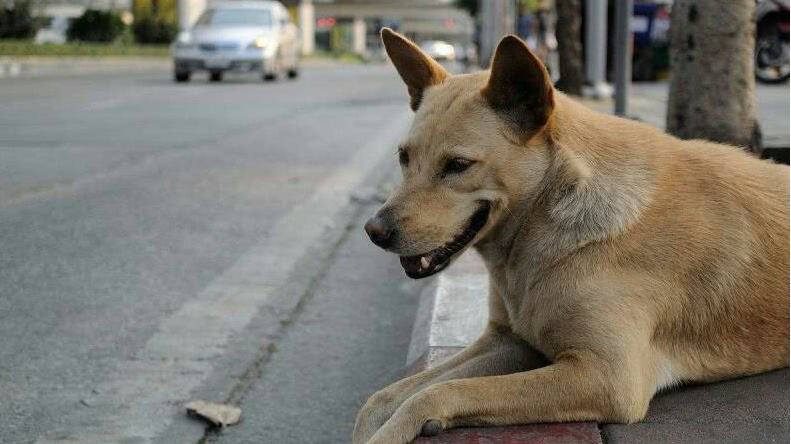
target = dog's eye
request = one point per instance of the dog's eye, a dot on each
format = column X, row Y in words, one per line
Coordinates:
column 403, row 157
column 456, row 166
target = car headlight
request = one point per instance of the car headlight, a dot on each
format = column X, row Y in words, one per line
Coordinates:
column 259, row 43
column 184, row 40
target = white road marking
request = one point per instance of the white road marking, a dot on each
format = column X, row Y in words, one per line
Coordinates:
column 10, row 69
column 136, row 403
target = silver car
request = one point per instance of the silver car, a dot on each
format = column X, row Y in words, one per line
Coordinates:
column 242, row 36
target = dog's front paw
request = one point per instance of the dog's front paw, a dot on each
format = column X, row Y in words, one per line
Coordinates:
column 432, row 427
column 376, row 411
column 414, row 418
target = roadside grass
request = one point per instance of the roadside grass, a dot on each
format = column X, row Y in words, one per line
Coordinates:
column 26, row 48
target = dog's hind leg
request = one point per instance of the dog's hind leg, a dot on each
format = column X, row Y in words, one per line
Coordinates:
column 496, row 352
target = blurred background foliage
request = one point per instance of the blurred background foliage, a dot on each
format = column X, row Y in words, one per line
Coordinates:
column 16, row 20
column 155, row 21
column 96, row 26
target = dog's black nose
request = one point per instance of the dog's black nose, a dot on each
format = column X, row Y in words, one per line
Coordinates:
column 380, row 232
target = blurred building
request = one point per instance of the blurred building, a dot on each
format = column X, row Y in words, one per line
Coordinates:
column 353, row 25
column 331, row 25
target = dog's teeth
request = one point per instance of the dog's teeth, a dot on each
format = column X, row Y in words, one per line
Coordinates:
column 424, row 262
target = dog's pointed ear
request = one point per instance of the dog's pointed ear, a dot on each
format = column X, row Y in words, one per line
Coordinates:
column 416, row 68
column 519, row 87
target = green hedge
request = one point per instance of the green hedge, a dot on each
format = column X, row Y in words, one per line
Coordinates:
column 149, row 29
column 24, row 48
column 96, row 26
column 16, row 21
column 155, row 21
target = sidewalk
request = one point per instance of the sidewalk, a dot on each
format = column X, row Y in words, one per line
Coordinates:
column 749, row 410
column 648, row 102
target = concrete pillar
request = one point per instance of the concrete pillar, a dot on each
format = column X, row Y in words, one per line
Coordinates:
column 307, row 26
column 623, row 55
column 596, row 47
column 188, row 12
column 359, row 36
column 498, row 19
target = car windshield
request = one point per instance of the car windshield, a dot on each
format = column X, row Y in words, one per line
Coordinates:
column 236, row 17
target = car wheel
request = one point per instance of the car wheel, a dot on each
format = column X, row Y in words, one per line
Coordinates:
column 181, row 77
column 293, row 73
column 270, row 76
column 215, row 76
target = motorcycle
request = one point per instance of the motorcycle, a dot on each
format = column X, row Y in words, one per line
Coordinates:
column 771, row 41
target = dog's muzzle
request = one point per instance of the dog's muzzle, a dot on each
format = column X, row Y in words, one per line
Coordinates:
column 424, row 265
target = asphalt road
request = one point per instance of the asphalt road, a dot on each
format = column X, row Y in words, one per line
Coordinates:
column 131, row 209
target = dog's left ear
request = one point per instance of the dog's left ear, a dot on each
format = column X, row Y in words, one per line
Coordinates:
column 416, row 68
column 519, row 87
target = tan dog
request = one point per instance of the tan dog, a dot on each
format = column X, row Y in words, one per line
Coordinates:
column 629, row 259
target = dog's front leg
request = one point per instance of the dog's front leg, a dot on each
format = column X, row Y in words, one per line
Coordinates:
column 577, row 387
column 496, row 352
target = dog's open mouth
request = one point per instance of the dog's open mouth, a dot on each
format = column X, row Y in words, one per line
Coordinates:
column 434, row 261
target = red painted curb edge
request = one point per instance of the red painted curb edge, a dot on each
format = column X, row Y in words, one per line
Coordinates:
column 561, row 433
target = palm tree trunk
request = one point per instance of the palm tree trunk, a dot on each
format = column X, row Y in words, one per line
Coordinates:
column 712, row 86
column 568, row 33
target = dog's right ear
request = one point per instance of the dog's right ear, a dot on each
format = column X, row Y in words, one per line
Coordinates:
column 416, row 68
column 519, row 87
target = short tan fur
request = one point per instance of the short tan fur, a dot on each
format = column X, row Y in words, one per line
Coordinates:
column 627, row 259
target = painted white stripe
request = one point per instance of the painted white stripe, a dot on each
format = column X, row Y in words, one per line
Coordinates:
column 137, row 402
column 10, row 70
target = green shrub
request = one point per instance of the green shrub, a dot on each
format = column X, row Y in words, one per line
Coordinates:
column 96, row 26
column 148, row 29
column 26, row 48
column 16, row 21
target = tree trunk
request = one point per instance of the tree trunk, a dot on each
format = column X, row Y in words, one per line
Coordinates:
column 712, row 85
column 568, row 34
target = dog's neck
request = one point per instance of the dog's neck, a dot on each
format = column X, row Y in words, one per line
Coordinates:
column 593, row 189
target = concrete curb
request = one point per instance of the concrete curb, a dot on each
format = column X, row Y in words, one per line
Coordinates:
column 451, row 314
column 452, row 311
